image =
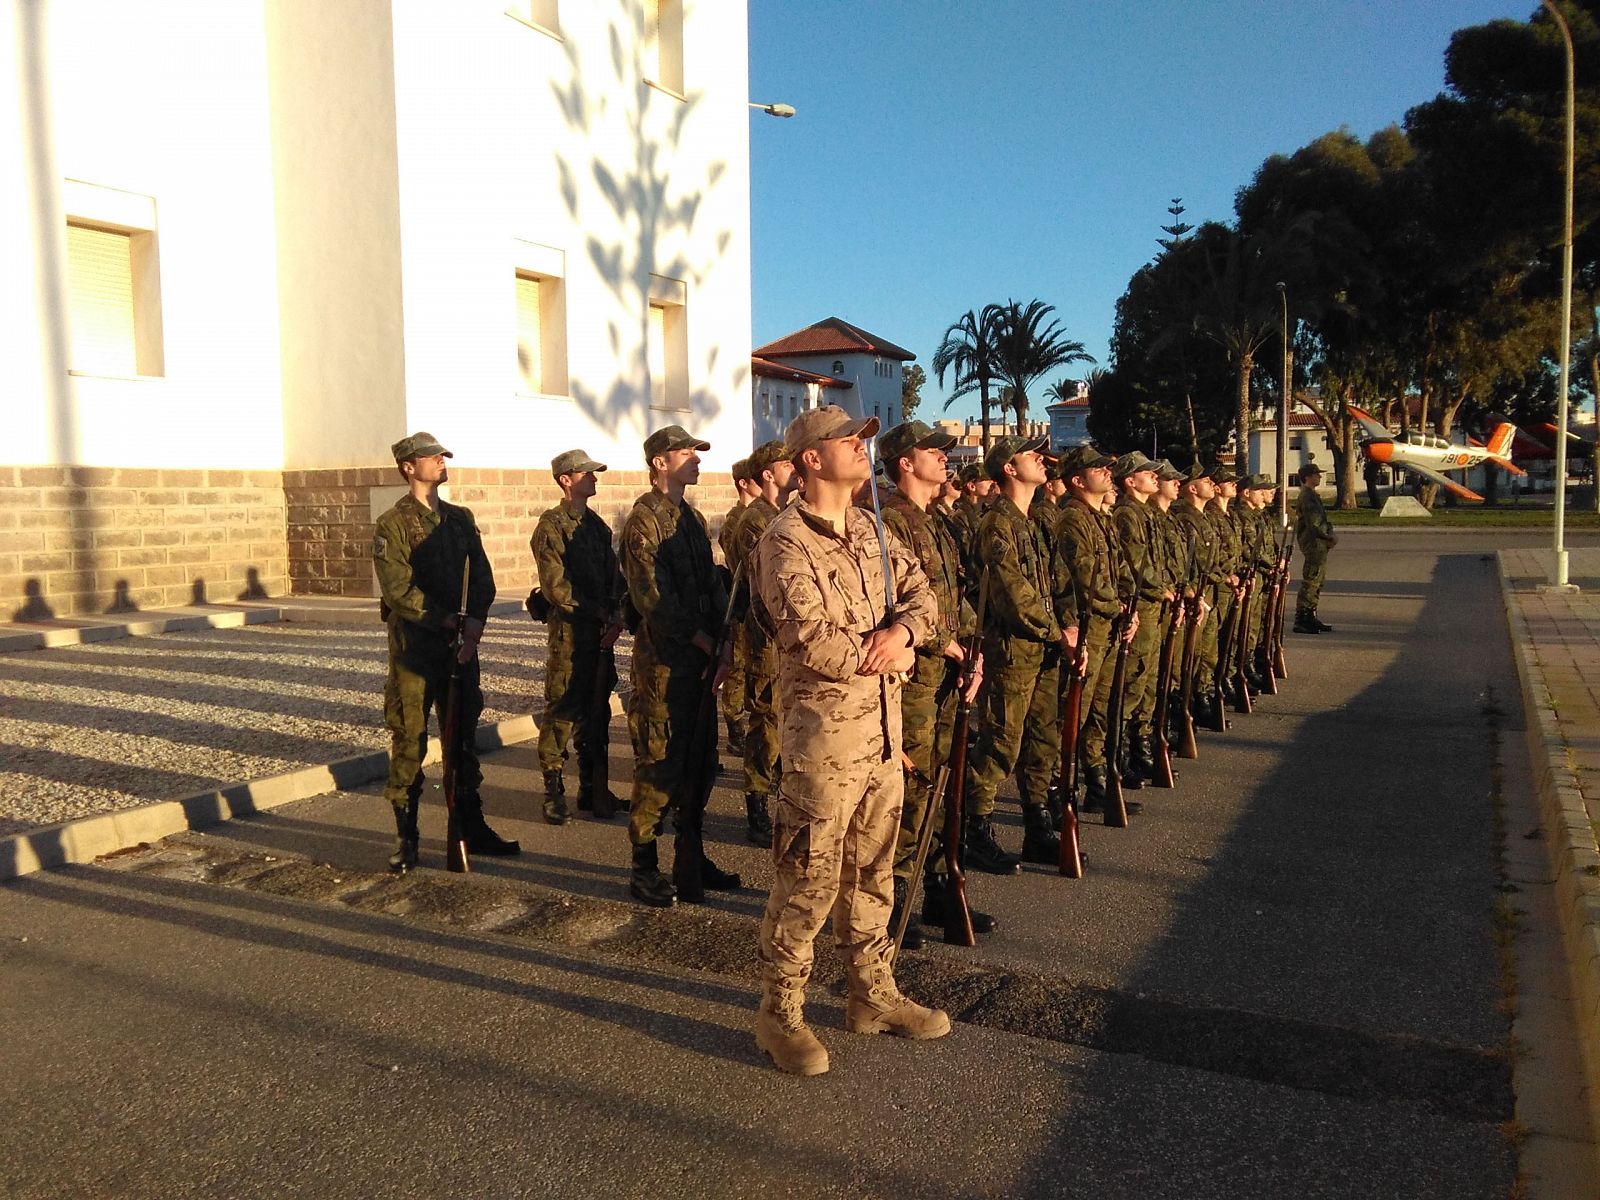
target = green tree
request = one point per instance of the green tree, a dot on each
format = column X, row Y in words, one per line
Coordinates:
column 967, row 353
column 911, row 381
column 1026, row 348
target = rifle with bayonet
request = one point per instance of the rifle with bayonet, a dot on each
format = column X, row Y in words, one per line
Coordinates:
column 1278, row 667
column 935, row 788
column 958, row 929
column 1071, row 721
column 455, row 842
column 1194, row 612
column 598, row 734
column 1269, row 656
column 1240, row 659
column 1225, row 637
column 1171, row 622
column 1116, row 810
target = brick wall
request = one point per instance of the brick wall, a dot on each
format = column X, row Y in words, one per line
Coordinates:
column 79, row 540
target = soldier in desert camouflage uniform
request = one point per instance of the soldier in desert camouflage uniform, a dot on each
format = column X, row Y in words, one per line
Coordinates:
column 821, row 590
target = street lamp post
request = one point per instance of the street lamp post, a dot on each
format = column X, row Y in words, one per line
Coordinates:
column 1562, row 580
column 773, row 110
column 1283, row 416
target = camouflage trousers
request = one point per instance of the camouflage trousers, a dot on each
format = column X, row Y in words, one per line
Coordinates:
column 662, row 715
column 1311, row 576
column 1214, row 672
column 1144, row 661
column 1210, row 631
column 761, row 716
column 832, row 852
column 1252, row 620
column 928, row 716
column 419, row 682
column 570, row 701
column 1021, row 714
column 1097, row 690
column 736, row 687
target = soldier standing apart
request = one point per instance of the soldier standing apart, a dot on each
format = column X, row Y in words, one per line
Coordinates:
column 914, row 457
column 1144, row 550
column 822, row 590
column 734, row 688
column 774, row 475
column 1092, row 561
column 1022, row 651
column 1314, row 532
column 679, row 596
column 419, row 548
column 581, row 580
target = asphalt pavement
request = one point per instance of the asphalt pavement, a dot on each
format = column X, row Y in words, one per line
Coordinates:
column 1281, row 981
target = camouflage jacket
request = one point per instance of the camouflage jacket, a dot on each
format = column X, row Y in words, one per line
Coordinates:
column 1143, row 546
column 730, row 527
column 1311, row 524
column 927, row 536
column 419, row 555
column 1200, row 540
column 821, row 593
column 672, row 582
column 1255, row 531
column 577, row 568
column 1230, row 549
column 749, row 524
column 1091, row 559
column 1012, row 548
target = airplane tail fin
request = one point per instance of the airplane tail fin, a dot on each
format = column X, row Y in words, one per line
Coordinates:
column 1500, row 441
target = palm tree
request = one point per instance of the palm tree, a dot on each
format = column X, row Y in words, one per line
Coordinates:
column 1025, row 348
column 967, row 351
column 1063, row 391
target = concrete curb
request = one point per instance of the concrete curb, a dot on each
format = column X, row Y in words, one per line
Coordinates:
column 1569, row 838
column 84, row 840
column 104, row 629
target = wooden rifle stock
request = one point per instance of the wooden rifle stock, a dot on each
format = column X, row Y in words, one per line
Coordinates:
column 958, row 929
column 936, row 789
column 600, row 728
column 1071, row 864
column 455, row 842
column 1163, row 711
column 1275, row 661
column 1187, row 746
column 1241, row 682
column 1116, row 805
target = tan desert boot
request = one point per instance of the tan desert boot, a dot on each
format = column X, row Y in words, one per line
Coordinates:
column 782, row 1033
column 876, row 1006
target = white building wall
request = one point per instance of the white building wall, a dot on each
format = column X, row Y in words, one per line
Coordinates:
column 167, row 102
column 876, row 382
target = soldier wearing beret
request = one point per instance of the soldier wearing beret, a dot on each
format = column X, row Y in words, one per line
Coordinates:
column 679, row 597
column 773, row 475
column 419, row 549
column 1144, row 549
column 735, row 688
column 1023, row 643
column 1314, row 532
column 825, row 580
column 1089, row 549
column 913, row 457
column 581, row 580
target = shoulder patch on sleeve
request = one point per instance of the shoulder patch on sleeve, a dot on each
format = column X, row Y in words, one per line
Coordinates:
column 380, row 545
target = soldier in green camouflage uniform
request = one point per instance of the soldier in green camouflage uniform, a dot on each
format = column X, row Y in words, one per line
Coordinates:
column 1206, row 573
column 735, row 691
column 1314, row 533
column 1145, row 552
column 773, row 474
column 1022, row 652
column 1230, row 550
column 419, row 549
column 1089, row 553
column 913, row 456
column 680, row 600
column 1260, row 556
column 1175, row 552
column 581, row 581
column 967, row 511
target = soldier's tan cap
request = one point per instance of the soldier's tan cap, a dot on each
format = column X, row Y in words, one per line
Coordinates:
column 766, row 455
column 672, row 437
column 900, row 440
column 1007, row 448
column 1082, row 458
column 823, row 425
column 1131, row 463
column 418, row 445
column 574, row 462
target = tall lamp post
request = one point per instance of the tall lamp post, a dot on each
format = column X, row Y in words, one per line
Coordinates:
column 1283, row 416
column 1562, row 580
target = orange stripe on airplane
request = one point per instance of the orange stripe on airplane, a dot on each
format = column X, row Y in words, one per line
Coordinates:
column 1379, row 451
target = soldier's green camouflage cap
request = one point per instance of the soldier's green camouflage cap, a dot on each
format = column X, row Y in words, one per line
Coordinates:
column 574, row 462
column 765, row 455
column 1004, row 450
column 672, row 437
column 1167, row 471
column 1131, row 463
column 1080, row 459
column 418, row 445
column 971, row 473
column 823, row 425
column 741, row 469
column 1310, row 468
column 900, row 440
column 1266, row 482
column 1223, row 473
column 1195, row 473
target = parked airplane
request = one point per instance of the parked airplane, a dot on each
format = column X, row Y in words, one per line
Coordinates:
column 1539, row 445
column 1428, row 455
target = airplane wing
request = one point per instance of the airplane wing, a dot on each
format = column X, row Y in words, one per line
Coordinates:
column 1369, row 427
column 1449, row 485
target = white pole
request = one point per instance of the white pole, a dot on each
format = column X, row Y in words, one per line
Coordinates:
column 1562, row 577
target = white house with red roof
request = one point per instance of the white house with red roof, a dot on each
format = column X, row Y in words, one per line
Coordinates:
column 835, row 350
column 1069, row 420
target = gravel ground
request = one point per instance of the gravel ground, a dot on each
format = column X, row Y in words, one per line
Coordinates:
column 93, row 728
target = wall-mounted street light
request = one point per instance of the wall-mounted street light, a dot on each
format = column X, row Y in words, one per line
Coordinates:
column 774, row 110
column 1561, row 580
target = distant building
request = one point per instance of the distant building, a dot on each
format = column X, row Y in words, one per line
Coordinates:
column 782, row 393
column 1069, row 420
column 969, row 436
column 835, row 349
column 1307, row 440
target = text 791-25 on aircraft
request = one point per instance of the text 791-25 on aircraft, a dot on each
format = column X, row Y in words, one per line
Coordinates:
column 1429, row 455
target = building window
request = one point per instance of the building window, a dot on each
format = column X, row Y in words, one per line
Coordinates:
column 541, row 335
column 1297, row 442
column 838, row 367
column 113, row 300
column 543, row 15
column 667, row 345
column 663, row 44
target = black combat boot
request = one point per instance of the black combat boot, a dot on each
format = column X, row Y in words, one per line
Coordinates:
column 758, row 824
column 983, row 853
column 935, row 894
column 1040, row 842
column 405, row 824
column 603, row 812
column 646, row 883
column 1318, row 622
column 1131, row 778
column 555, row 798
column 735, row 736
column 1140, row 758
column 1094, row 789
column 913, row 939
column 479, row 837
column 1306, row 622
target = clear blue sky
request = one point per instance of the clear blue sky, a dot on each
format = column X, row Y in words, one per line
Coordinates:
column 949, row 154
